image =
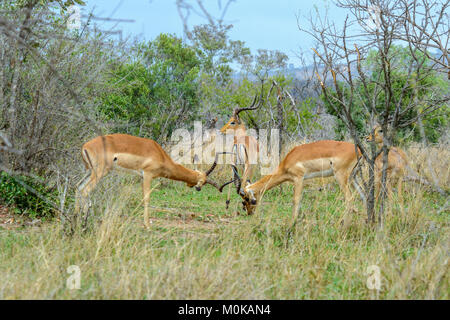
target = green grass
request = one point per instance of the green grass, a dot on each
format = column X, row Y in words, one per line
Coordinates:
column 200, row 250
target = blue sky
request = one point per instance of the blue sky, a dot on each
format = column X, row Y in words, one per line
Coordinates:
column 265, row 24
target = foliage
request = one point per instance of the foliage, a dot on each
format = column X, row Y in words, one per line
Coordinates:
column 297, row 120
column 155, row 92
column 63, row 4
column 400, row 58
column 267, row 61
column 217, row 51
column 26, row 200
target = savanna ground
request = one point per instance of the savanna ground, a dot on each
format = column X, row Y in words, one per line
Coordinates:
column 196, row 249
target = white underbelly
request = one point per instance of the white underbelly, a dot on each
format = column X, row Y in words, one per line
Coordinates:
column 316, row 168
column 319, row 174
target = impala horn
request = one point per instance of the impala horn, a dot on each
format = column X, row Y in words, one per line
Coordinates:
column 210, row 170
column 237, row 182
column 252, row 107
column 225, row 184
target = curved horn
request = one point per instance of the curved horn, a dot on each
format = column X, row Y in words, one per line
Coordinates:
column 237, row 181
column 213, row 184
column 225, row 184
column 208, row 172
column 252, row 107
column 214, row 165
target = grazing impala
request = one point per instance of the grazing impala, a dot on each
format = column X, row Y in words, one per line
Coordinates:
column 318, row 159
column 144, row 156
column 396, row 166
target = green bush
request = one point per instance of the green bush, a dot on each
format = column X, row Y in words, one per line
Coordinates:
column 27, row 196
column 156, row 91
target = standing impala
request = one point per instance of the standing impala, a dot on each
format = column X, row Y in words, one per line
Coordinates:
column 245, row 147
column 396, row 166
column 144, row 156
column 318, row 159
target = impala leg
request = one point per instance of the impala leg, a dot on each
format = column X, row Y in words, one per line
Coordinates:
column 378, row 184
column 86, row 188
column 400, row 185
column 227, row 202
column 95, row 177
column 298, row 188
column 80, row 186
column 397, row 177
column 390, row 182
column 146, row 188
column 400, row 191
column 342, row 177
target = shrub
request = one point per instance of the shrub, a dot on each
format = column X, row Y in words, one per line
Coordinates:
column 27, row 195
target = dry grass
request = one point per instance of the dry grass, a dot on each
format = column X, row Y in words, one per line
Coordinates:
column 214, row 254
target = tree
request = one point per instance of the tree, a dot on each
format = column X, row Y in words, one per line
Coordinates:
column 264, row 63
column 217, row 51
column 157, row 92
column 342, row 56
column 400, row 58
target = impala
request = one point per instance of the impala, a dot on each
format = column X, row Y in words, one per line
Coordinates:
column 396, row 166
column 318, row 159
column 245, row 147
column 144, row 156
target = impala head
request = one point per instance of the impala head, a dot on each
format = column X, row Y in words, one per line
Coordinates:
column 235, row 123
column 377, row 135
column 247, row 193
column 249, row 200
column 201, row 181
column 202, row 177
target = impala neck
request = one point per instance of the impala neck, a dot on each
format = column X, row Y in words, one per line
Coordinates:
column 237, row 131
column 266, row 183
column 241, row 130
column 180, row 173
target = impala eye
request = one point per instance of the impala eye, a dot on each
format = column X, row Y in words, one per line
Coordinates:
column 232, row 123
